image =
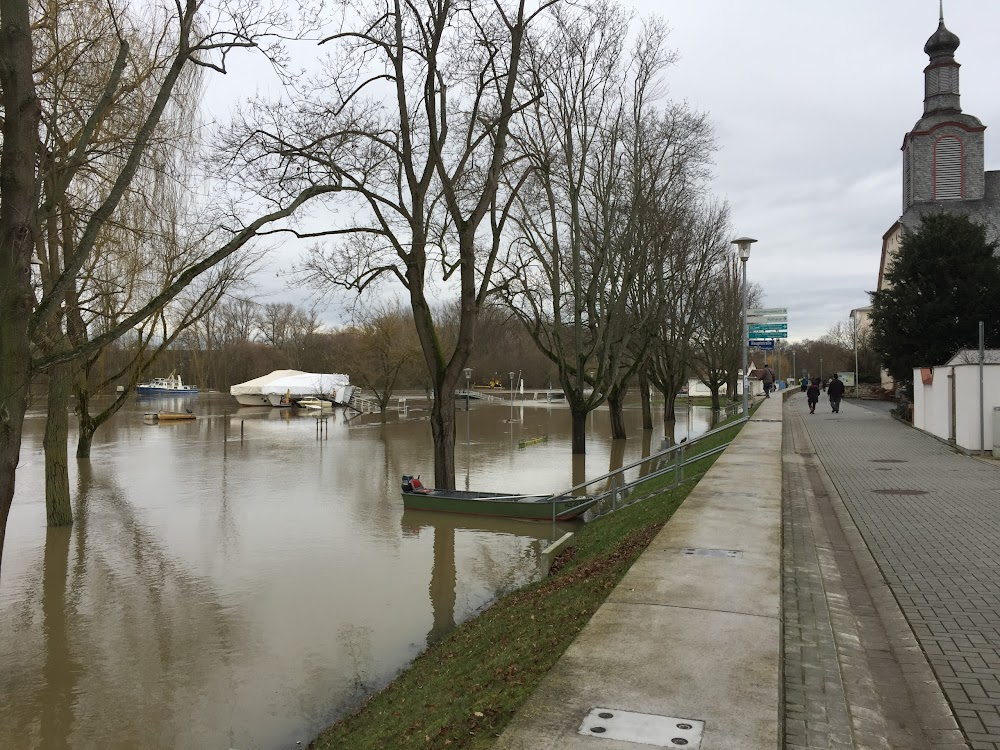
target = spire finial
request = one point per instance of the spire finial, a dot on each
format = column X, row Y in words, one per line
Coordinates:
column 941, row 11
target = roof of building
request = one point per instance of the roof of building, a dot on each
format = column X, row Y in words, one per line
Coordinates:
column 971, row 357
column 942, row 42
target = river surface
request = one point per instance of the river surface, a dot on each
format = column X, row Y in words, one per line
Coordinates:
column 239, row 582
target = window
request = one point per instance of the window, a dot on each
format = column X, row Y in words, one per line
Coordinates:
column 947, row 168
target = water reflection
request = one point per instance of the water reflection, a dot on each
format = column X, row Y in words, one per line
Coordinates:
column 235, row 582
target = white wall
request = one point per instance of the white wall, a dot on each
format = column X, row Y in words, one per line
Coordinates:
column 932, row 408
column 967, row 432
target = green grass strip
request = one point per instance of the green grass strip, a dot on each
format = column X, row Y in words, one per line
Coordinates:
column 461, row 692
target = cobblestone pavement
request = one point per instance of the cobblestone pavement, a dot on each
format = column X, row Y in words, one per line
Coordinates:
column 931, row 520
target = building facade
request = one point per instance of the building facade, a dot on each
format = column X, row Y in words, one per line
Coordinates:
column 943, row 155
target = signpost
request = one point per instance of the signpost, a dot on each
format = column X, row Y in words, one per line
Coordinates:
column 762, row 344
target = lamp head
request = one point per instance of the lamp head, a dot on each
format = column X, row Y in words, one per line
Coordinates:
column 743, row 243
column 468, row 373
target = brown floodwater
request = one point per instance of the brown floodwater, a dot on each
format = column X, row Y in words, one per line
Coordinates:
column 238, row 582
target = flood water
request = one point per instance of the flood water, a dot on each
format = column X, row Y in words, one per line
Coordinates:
column 237, row 582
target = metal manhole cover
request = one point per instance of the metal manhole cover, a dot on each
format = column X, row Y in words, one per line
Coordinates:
column 900, row 492
column 711, row 552
column 889, row 461
column 646, row 729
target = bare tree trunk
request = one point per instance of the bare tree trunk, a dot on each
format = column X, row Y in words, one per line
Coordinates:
column 647, row 409
column 670, row 405
column 716, row 404
column 17, row 206
column 616, row 403
column 579, row 420
column 443, row 431
column 58, row 509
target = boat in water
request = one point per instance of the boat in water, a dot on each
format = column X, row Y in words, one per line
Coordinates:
column 168, row 416
column 168, row 386
column 500, row 504
column 279, row 387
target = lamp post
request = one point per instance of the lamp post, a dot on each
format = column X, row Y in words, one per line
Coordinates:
column 821, row 371
column 511, row 396
column 743, row 243
column 857, row 385
column 468, row 450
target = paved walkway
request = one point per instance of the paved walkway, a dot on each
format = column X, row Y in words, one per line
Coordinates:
column 691, row 632
column 888, row 534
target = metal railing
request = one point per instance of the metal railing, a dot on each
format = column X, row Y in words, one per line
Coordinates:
column 643, row 479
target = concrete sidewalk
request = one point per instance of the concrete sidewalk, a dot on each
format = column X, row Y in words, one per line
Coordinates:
column 694, row 636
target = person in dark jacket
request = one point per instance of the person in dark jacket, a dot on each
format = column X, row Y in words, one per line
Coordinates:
column 836, row 392
column 812, row 395
column 768, row 377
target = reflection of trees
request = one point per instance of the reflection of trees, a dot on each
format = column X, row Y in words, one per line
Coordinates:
column 61, row 668
column 128, row 633
column 495, row 567
column 443, row 580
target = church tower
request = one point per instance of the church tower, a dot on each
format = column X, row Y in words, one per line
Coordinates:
column 943, row 155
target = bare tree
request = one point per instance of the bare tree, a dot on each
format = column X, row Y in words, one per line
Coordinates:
column 719, row 334
column 191, row 33
column 412, row 116
column 684, row 290
column 386, row 347
column 605, row 163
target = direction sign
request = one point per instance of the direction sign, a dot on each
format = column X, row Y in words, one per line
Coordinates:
column 767, row 319
column 767, row 311
column 767, row 326
column 766, row 335
column 765, row 344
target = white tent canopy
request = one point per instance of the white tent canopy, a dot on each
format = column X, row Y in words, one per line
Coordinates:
column 306, row 384
column 263, row 391
column 253, row 387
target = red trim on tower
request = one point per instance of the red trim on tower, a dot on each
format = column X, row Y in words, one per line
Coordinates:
column 966, row 128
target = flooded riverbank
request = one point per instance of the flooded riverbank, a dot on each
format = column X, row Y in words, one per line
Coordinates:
column 242, row 588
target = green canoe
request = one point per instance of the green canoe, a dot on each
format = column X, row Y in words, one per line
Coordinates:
column 500, row 504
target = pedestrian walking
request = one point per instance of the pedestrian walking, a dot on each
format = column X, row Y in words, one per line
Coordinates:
column 812, row 395
column 836, row 392
column 768, row 378
column 804, row 384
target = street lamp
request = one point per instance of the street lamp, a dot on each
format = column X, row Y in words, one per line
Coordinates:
column 744, row 243
column 468, row 450
column 857, row 385
column 511, row 373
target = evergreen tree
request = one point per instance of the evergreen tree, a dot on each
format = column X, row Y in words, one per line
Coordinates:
column 945, row 279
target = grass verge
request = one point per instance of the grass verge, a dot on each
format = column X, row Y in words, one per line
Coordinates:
column 462, row 692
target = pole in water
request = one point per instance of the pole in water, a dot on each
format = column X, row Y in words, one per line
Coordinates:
column 241, row 430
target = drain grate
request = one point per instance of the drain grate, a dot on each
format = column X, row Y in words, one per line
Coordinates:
column 889, row 461
column 900, row 492
column 647, row 729
column 712, row 552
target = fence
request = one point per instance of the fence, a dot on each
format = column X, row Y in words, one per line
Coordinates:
column 652, row 475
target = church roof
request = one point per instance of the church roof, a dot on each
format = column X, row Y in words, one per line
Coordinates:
column 942, row 42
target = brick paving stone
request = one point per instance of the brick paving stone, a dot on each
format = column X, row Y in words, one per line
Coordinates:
column 936, row 540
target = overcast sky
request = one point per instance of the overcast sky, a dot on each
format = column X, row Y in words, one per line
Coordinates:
column 810, row 102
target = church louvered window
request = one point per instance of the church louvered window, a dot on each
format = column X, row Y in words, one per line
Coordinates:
column 948, row 168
